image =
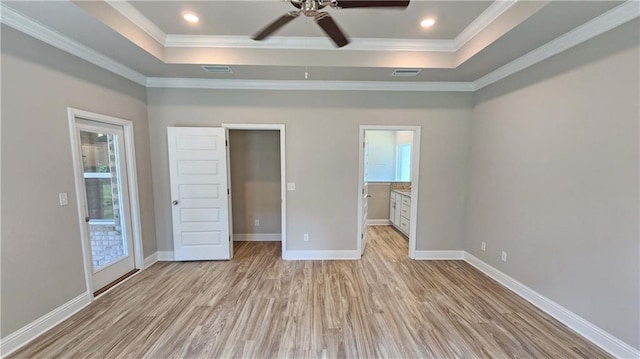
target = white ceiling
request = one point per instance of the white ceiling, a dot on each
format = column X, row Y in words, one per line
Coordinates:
column 470, row 40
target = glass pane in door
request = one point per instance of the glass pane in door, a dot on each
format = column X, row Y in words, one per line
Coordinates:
column 102, row 185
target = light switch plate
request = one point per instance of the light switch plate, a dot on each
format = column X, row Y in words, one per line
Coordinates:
column 291, row 186
column 63, row 198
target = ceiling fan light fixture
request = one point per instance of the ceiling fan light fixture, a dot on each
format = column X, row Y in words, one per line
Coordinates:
column 428, row 22
column 190, row 17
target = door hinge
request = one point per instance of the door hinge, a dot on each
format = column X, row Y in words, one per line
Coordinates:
column 363, row 191
column 226, row 143
column 228, row 191
column 364, row 144
column 361, row 235
column 229, row 238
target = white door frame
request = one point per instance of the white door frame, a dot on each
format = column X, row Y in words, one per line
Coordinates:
column 132, row 179
column 283, row 172
column 415, row 180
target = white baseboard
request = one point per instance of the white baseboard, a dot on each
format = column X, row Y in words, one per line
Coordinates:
column 24, row 335
column 598, row 336
column 258, row 237
column 439, row 255
column 165, row 256
column 378, row 222
column 321, row 255
column 150, row 260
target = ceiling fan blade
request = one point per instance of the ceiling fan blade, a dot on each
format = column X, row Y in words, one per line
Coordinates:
column 346, row 4
column 276, row 25
column 331, row 29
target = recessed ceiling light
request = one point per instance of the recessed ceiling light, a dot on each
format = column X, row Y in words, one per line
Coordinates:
column 427, row 22
column 191, row 17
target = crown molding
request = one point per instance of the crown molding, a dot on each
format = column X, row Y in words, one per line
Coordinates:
column 494, row 11
column 309, row 43
column 197, row 83
column 138, row 19
column 615, row 17
column 34, row 29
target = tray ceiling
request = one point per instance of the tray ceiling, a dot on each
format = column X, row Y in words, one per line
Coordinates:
column 470, row 38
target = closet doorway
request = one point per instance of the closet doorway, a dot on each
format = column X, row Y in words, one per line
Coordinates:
column 257, row 179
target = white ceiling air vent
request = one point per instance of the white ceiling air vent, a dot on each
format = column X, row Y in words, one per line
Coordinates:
column 217, row 69
column 406, row 72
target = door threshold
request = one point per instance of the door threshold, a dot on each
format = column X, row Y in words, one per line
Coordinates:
column 114, row 283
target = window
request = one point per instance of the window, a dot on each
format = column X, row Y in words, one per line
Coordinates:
column 403, row 163
column 387, row 155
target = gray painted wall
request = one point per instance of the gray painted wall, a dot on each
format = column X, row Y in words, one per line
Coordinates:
column 41, row 248
column 255, row 180
column 322, row 155
column 554, row 180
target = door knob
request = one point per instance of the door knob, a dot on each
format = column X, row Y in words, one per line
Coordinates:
column 368, row 196
column 175, row 202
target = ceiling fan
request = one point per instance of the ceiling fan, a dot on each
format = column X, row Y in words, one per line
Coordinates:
column 311, row 8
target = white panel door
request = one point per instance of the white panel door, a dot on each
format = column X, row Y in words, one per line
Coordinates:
column 365, row 197
column 199, row 193
column 365, row 214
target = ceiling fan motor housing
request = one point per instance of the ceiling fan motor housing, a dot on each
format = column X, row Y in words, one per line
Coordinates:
column 311, row 8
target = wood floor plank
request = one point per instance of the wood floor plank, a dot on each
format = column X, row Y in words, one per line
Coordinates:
column 259, row 306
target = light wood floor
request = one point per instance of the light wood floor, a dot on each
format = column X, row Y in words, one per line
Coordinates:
column 258, row 306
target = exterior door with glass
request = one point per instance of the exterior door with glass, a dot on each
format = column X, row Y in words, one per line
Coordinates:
column 106, row 200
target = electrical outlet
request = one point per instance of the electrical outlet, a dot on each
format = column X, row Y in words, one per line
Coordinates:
column 483, row 246
column 306, row 237
column 504, row 256
column 291, row 186
column 257, row 223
